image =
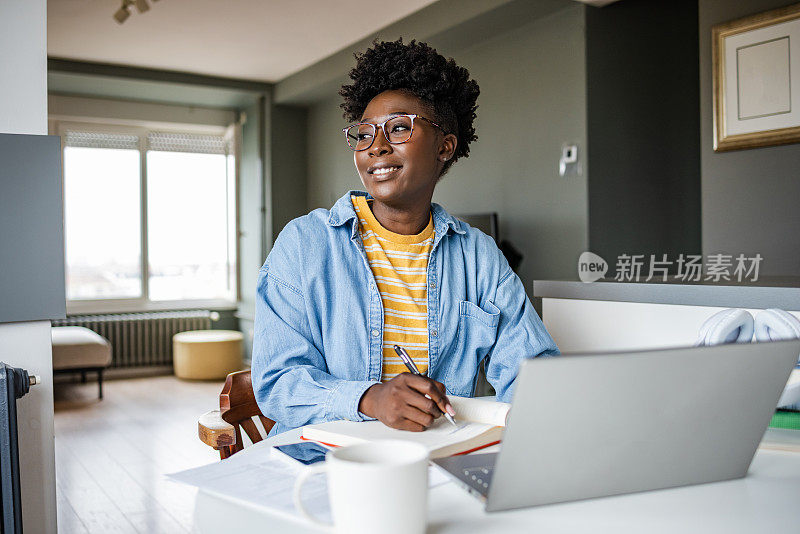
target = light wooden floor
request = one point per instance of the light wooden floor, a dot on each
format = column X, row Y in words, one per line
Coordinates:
column 111, row 455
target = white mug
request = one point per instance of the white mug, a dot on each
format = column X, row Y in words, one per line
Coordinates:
column 380, row 486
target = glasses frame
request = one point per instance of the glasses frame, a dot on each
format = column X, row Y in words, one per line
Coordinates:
column 382, row 126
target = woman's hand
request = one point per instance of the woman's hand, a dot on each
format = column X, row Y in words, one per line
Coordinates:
column 401, row 402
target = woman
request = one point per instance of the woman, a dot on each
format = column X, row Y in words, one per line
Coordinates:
column 387, row 267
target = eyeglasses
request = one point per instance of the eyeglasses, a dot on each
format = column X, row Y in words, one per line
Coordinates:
column 396, row 130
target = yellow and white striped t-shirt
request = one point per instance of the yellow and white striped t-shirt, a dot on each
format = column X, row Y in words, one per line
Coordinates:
column 399, row 264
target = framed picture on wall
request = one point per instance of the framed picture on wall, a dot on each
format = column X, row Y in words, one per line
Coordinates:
column 756, row 80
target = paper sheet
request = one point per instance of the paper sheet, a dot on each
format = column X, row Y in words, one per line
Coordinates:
column 263, row 480
column 480, row 410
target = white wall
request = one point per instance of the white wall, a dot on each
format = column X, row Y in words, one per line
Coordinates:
column 23, row 66
column 23, row 110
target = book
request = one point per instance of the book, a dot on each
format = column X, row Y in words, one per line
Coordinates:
column 480, row 424
column 790, row 398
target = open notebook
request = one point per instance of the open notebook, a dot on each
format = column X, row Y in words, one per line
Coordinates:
column 480, row 424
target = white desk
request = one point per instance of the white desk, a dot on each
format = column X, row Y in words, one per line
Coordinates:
column 766, row 500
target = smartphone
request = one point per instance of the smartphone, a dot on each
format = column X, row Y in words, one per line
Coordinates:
column 303, row 453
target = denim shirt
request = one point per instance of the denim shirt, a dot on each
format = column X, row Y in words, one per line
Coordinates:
column 318, row 333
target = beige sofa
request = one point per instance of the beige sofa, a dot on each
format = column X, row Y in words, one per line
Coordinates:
column 79, row 350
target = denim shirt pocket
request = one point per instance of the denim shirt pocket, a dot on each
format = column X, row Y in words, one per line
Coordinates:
column 477, row 332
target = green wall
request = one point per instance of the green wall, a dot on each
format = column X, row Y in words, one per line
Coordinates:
column 289, row 152
column 251, row 220
column 643, row 129
column 331, row 171
column 749, row 196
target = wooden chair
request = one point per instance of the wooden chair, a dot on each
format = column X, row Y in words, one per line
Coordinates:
column 220, row 429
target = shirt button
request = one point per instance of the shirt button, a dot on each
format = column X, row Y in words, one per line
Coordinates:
column 433, row 285
column 434, row 333
column 375, row 333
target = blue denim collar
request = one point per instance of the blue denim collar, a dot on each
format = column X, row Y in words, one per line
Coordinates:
column 343, row 211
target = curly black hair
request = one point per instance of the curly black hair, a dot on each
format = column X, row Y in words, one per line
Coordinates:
column 415, row 67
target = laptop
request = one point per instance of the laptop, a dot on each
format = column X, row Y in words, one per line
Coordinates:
column 592, row 425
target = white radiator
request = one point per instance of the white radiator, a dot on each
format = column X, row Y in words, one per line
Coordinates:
column 141, row 339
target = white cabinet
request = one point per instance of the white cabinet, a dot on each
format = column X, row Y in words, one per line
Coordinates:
column 597, row 325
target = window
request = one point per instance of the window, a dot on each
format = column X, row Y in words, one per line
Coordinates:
column 102, row 216
column 149, row 218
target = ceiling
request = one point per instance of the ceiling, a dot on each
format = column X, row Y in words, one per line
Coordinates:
column 264, row 40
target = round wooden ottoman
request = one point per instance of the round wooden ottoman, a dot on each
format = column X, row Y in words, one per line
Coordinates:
column 206, row 354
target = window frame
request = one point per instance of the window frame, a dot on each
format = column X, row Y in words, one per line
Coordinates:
column 143, row 303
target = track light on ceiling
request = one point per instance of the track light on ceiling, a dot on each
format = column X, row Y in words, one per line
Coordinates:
column 124, row 11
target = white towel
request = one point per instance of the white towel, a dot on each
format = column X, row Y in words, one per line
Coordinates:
column 773, row 325
column 728, row 326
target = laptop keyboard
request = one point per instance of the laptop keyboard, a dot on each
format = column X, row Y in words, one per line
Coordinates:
column 478, row 478
column 472, row 470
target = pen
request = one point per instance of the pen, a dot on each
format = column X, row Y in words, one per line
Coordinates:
column 414, row 371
